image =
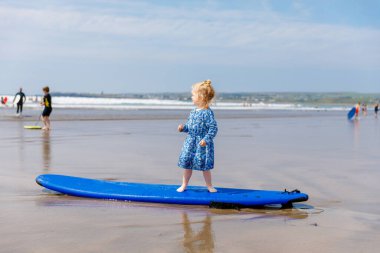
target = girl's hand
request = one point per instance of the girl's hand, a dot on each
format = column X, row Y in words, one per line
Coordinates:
column 202, row 143
column 180, row 128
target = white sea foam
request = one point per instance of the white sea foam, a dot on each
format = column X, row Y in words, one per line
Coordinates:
column 134, row 103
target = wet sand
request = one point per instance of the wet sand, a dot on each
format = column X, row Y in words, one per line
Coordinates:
column 335, row 161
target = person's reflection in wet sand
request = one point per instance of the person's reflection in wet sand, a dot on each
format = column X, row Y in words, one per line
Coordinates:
column 356, row 132
column 21, row 142
column 21, row 132
column 46, row 151
column 202, row 241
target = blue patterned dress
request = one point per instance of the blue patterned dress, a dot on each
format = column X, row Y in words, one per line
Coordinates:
column 200, row 125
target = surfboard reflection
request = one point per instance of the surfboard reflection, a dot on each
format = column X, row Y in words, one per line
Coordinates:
column 46, row 150
column 202, row 241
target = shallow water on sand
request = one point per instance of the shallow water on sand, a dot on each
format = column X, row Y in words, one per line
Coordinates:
column 335, row 161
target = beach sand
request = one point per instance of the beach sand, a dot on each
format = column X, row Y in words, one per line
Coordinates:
column 320, row 153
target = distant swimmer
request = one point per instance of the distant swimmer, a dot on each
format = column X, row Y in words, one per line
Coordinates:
column 46, row 102
column 376, row 109
column 19, row 99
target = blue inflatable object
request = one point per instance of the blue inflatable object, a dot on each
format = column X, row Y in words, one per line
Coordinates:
column 158, row 193
column 351, row 114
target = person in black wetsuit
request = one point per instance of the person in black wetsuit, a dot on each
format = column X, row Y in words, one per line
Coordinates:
column 46, row 102
column 21, row 101
column 376, row 109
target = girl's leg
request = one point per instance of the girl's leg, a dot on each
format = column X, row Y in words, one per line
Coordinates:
column 185, row 179
column 207, row 177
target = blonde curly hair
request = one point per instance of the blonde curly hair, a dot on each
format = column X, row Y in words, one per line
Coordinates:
column 205, row 91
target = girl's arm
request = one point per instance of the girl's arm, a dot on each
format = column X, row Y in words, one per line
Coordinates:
column 186, row 126
column 212, row 128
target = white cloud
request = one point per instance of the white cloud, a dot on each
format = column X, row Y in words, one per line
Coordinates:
column 170, row 34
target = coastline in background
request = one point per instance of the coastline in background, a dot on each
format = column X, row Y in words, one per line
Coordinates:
column 250, row 101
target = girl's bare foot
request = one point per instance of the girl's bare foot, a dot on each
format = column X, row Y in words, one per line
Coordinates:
column 212, row 189
column 181, row 189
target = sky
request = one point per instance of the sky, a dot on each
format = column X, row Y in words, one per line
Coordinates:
column 143, row 46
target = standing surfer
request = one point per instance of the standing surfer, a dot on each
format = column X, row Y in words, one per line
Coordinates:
column 20, row 99
column 376, row 109
column 46, row 101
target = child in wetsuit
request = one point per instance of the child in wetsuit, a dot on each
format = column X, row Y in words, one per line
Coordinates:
column 198, row 149
column 46, row 101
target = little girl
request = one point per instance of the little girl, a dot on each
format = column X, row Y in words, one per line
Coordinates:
column 198, row 150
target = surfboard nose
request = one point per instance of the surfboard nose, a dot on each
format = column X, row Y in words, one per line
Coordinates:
column 39, row 179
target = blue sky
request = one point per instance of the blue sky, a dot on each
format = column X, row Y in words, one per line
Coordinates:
column 119, row 46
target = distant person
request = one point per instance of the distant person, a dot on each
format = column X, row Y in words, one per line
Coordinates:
column 198, row 149
column 4, row 100
column 20, row 99
column 46, row 102
column 376, row 109
column 364, row 109
column 357, row 110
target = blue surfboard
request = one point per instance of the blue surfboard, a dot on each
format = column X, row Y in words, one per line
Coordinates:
column 159, row 193
column 351, row 114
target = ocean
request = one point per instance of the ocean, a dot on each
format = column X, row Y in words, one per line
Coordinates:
column 76, row 102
